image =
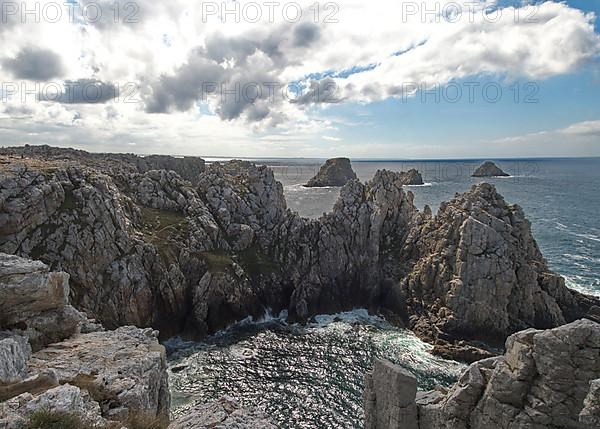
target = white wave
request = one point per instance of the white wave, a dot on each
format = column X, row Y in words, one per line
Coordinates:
column 424, row 185
column 590, row 237
column 359, row 315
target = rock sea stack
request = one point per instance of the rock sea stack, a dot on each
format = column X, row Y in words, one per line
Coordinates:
column 335, row 172
column 412, row 178
column 489, row 169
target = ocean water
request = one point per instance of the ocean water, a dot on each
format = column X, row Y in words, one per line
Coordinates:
column 303, row 376
column 312, row 376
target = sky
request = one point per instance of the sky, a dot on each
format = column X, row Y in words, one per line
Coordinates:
column 380, row 79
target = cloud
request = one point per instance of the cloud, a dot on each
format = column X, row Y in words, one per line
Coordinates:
column 585, row 129
column 578, row 139
column 83, row 91
column 35, row 64
column 174, row 57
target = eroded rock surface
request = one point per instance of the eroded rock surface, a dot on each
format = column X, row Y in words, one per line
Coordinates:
column 150, row 249
column 335, row 172
column 226, row 413
column 546, row 379
column 76, row 367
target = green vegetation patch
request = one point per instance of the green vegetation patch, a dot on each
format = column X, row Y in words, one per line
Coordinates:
column 217, row 262
column 166, row 230
column 256, row 263
column 44, row 419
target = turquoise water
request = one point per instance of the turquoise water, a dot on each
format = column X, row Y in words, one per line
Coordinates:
column 312, row 377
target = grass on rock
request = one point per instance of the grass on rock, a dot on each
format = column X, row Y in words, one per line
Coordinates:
column 45, row 419
column 166, row 230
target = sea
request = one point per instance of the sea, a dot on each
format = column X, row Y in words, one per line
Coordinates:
column 312, row 376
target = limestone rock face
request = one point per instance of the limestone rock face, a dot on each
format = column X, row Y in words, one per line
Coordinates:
column 14, row 354
column 477, row 273
column 489, row 169
column 389, row 397
column 188, row 167
column 335, row 172
column 35, row 304
column 123, row 370
column 99, row 375
column 225, row 413
column 546, row 379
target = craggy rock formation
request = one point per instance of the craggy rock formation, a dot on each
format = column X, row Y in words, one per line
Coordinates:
column 225, row 413
column 412, row 178
column 154, row 250
column 101, row 375
column 489, row 169
column 476, row 272
column 546, row 379
column 335, row 172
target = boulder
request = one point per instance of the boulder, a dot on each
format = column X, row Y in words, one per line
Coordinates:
column 123, row 370
column 35, row 302
column 61, row 399
column 335, row 172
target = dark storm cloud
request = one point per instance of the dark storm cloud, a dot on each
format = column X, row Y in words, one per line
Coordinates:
column 181, row 90
column 239, row 73
column 35, row 64
column 306, row 33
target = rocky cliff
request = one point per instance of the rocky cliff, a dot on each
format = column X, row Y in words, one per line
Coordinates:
column 546, row 379
column 154, row 250
column 55, row 360
column 335, row 172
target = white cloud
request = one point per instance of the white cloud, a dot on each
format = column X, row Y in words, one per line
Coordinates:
column 171, row 51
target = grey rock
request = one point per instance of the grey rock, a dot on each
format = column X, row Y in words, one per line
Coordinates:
column 62, row 399
column 546, row 379
column 489, row 169
column 226, row 413
column 590, row 414
column 121, row 368
column 335, row 172
column 151, row 249
column 14, row 354
column 412, row 178
column 476, row 272
column 35, row 302
column 389, row 397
